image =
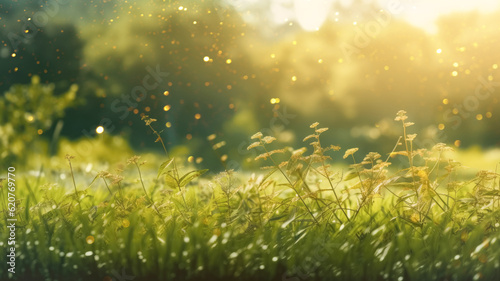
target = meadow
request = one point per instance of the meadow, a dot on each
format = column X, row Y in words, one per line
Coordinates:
column 249, row 140
column 405, row 214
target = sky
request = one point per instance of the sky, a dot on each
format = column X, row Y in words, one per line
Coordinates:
column 311, row 14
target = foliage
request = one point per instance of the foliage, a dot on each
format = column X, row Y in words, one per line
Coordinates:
column 26, row 111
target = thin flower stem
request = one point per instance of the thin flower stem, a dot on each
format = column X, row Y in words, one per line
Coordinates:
column 291, row 185
column 145, row 192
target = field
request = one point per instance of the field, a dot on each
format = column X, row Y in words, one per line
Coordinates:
column 269, row 140
column 297, row 219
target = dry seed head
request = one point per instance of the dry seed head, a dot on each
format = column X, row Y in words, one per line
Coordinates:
column 310, row 137
column 442, row 147
column 267, row 167
column 321, row 130
column 334, row 147
column 257, row 135
column 297, row 153
column 276, row 151
column 133, row 159
column 268, row 139
column 69, row 157
column 350, row 151
column 262, row 156
column 372, row 156
column 148, row 120
column 282, row 164
column 116, row 179
column 314, row 125
column 401, row 116
column 408, row 124
column 411, row 137
column 253, row 145
column 103, row 174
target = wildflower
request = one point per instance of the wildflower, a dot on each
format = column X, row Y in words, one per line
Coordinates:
column 268, row 139
column 267, row 168
column 401, row 116
column 133, row 159
column 442, row 147
column 282, row 164
column 310, row 137
column 262, row 156
column 116, row 179
column 321, row 130
column 257, row 135
column 253, row 145
column 350, row 151
column 148, row 120
column 297, row 153
column 103, row 174
column 411, row 137
column 372, row 156
column 277, row 151
column 334, row 147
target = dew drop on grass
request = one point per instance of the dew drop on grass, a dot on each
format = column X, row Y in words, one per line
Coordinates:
column 88, row 253
column 51, row 248
column 212, row 239
column 233, row 255
column 275, row 259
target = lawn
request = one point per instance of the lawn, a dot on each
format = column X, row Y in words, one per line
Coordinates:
column 299, row 218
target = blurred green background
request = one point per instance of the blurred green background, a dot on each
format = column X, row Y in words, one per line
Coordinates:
column 223, row 70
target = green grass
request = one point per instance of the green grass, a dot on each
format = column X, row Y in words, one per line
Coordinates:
column 301, row 219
